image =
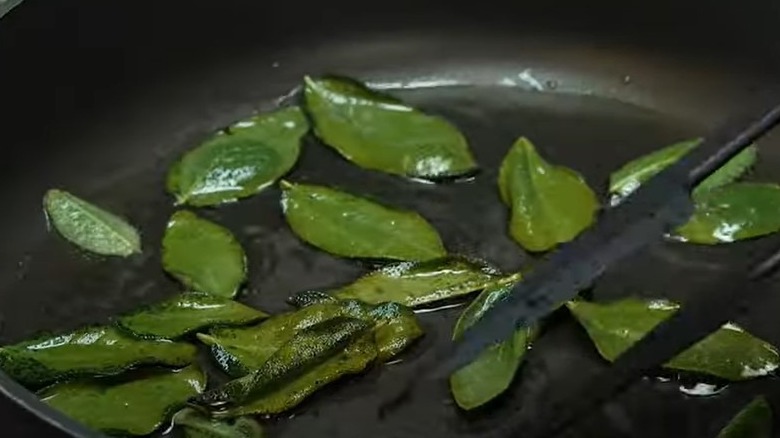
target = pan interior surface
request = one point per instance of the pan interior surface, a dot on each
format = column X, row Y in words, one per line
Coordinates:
column 588, row 115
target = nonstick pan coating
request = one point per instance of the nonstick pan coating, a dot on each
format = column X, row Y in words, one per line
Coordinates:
column 100, row 99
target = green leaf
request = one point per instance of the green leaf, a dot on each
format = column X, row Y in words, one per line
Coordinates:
column 495, row 368
column 239, row 351
column 730, row 353
column 307, row 349
column 352, row 359
column 629, row 177
column 240, row 161
column 186, row 313
column 549, row 204
column 378, row 132
column 198, row 425
column 351, row 226
column 753, row 421
column 135, row 407
column 734, row 212
column 202, row 255
column 90, row 227
column 415, row 284
column 92, row 351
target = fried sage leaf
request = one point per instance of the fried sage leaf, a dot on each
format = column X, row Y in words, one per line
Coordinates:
column 134, row 407
column 350, row 226
column 753, row 421
column 186, row 313
column 241, row 160
column 493, row 371
column 378, row 132
column 395, row 328
column 89, row 226
column 549, row 204
column 629, row 177
column 307, row 349
column 202, row 255
column 730, row 353
column 198, row 425
column 734, row 212
column 93, row 351
column 239, row 351
column 414, row 284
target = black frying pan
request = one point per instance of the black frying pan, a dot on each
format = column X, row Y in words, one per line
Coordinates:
column 100, row 97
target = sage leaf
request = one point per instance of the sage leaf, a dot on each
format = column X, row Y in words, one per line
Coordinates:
column 198, row 425
column 239, row 161
column 186, row 313
column 548, row 204
column 308, row 348
column 239, row 351
column 493, row 371
column 734, row 212
column 633, row 174
column 352, row 359
column 92, row 351
column 89, row 226
column 351, row 226
column 415, row 284
column 753, row 421
column 378, row 132
column 202, row 255
column 729, row 353
column 134, row 407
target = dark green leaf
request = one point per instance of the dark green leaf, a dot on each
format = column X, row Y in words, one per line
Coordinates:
column 186, row 313
column 135, row 407
column 240, row 351
column 93, row 351
column 198, row 425
column 307, row 349
column 753, row 421
column 203, row 255
column 415, row 284
column 240, row 161
column 493, row 371
column 352, row 359
column 729, row 353
column 351, row 226
column 549, row 204
column 626, row 179
column 89, row 226
column 734, row 212
column 378, row 132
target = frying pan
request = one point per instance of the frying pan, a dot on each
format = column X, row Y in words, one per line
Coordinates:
column 101, row 97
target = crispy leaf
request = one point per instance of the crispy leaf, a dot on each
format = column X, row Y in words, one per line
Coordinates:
column 134, row 407
column 351, row 226
column 753, row 421
column 89, row 226
column 186, row 313
column 240, row 161
column 203, row 255
column 378, row 132
column 493, row 371
column 307, row 349
column 415, row 284
column 549, row 204
column 239, row 351
column 93, row 351
column 730, row 353
column 352, row 359
column 198, row 425
column 629, row 177
column 734, row 212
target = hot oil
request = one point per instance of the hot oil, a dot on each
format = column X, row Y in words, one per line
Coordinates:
column 591, row 135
